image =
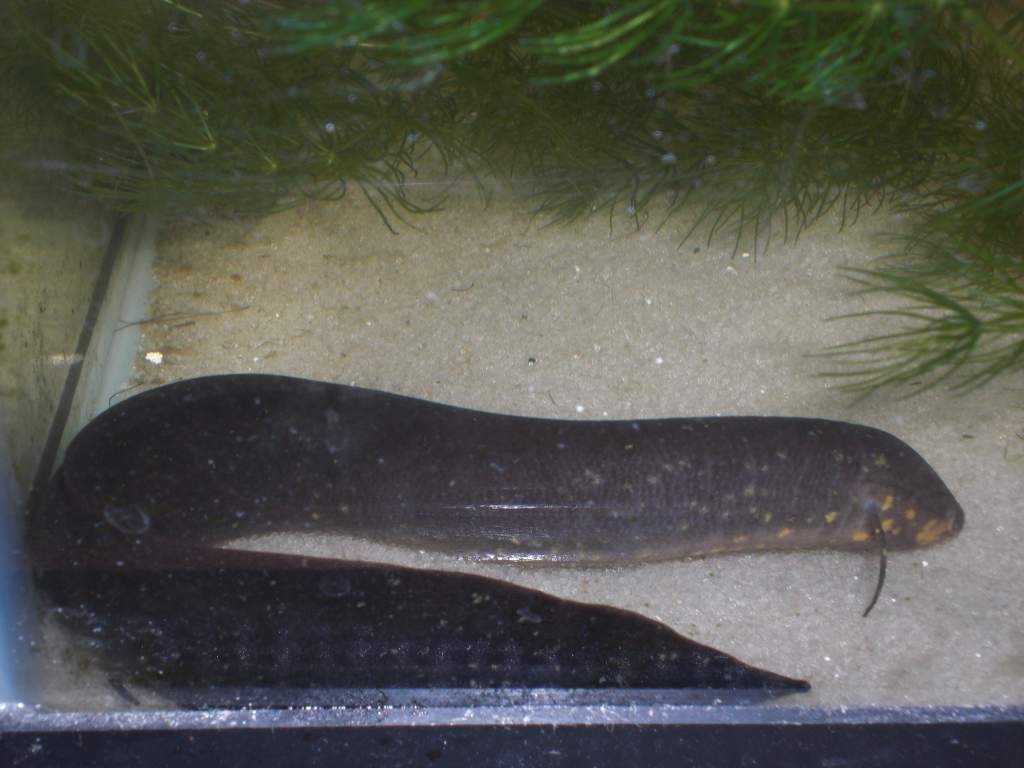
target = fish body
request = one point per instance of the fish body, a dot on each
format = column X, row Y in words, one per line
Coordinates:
column 265, row 630
column 220, row 458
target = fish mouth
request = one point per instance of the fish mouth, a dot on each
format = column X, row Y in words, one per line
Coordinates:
column 958, row 518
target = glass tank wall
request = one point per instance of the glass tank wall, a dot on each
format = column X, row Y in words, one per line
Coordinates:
column 596, row 286
column 52, row 250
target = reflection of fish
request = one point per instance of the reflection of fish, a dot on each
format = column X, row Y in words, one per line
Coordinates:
column 213, row 459
column 261, row 629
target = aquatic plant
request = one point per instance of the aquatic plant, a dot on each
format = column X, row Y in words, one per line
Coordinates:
column 755, row 117
column 960, row 271
column 169, row 110
column 793, row 50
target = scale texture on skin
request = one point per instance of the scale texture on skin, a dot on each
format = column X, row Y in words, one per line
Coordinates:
column 214, row 459
column 285, row 632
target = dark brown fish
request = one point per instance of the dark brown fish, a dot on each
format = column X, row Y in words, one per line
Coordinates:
column 214, row 459
column 271, row 631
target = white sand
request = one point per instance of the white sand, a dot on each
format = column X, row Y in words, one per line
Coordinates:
column 481, row 309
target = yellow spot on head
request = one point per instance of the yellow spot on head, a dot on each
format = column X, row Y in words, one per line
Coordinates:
column 830, row 517
column 887, row 503
column 740, row 539
column 881, row 460
column 785, row 532
column 910, row 514
column 932, row 531
column 861, row 536
column 887, row 525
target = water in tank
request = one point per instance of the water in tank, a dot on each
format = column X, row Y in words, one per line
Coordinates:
column 674, row 328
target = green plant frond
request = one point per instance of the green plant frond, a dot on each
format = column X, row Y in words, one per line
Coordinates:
column 919, row 317
column 1007, row 41
column 335, row 25
column 992, row 365
column 178, row 6
column 964, row 330
column 796, row 51
column 412, row 33
column 595, row 46
column 917, row 370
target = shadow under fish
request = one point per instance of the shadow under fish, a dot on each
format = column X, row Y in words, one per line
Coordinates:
column 129, row 540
